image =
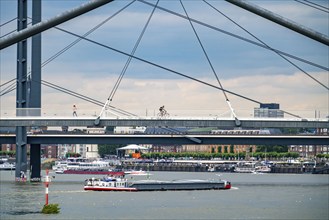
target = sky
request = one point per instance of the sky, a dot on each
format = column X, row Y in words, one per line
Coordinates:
column 169, row 41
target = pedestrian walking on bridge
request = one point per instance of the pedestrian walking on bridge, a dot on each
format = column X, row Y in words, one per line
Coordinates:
column 75, row 111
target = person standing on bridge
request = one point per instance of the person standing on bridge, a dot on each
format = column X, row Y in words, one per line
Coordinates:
column 75, row 111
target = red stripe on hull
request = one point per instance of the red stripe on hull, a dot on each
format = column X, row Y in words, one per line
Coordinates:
column 110, row 189
column 228, row 186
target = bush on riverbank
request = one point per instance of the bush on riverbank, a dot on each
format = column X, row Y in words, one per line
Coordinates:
column 325, row 156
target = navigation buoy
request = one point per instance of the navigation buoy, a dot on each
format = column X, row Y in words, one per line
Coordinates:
column 47, row 180
column 49, row 208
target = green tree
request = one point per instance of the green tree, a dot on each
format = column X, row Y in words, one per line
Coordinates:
column 272, row 148
column 71, row 154
column 105, row 149
column 109, row 129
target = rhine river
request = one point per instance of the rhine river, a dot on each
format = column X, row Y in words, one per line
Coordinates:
column 253, row 196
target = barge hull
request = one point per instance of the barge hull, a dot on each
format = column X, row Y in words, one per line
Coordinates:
column 164, row 186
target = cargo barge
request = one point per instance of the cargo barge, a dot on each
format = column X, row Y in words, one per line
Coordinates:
column 121, row 184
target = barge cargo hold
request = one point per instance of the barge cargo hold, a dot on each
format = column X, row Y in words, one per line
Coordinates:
column 154, row 185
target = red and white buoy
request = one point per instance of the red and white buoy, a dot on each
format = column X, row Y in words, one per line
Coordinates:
column 47, row 180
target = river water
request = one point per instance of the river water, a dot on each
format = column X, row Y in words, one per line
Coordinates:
column 253, row 196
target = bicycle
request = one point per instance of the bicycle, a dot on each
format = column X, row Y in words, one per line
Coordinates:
column 163, row 113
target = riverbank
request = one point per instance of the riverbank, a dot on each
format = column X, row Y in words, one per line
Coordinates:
column 174, row 167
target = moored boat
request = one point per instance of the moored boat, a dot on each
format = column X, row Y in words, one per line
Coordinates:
column 92, row 172
column 4, row 165
column 136, row 172
column 244, row 169
column 83, row 166
column 7, row 166
column 262, row 169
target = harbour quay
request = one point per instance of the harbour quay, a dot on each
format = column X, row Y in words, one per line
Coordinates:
column 219, row 166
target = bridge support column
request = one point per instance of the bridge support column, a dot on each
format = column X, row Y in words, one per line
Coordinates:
column 21, row 89
column 34, row 92
column 21, row 154
column 35, row 162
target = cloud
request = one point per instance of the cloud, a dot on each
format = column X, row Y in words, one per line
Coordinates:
column 169, row 41
column 184, row 97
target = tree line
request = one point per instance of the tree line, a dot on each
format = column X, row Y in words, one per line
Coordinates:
column 224, row 156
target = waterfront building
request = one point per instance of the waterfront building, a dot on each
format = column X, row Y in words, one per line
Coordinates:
column 63, row 149
column 8, row 147
column 309, row 151
column 219, row 148
column 90, row 151
column 167, row 149
column 49, row 151
column 268, row 110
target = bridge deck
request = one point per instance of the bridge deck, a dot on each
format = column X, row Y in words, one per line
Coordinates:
column 174, row 122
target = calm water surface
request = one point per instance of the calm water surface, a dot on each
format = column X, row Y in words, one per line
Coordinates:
column 267, row 196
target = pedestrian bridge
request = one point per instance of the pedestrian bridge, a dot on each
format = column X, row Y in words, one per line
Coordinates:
column 171, row 122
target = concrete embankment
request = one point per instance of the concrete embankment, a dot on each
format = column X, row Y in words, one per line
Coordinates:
column 317, row 170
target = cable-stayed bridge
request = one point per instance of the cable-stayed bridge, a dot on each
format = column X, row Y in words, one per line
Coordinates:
column 27, row 84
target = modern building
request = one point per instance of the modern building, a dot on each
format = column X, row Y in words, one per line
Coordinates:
column 268, row 110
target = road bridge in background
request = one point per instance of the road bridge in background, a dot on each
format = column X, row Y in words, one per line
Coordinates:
column 170, row 139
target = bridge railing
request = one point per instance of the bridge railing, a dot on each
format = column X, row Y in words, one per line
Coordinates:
column 153, row 113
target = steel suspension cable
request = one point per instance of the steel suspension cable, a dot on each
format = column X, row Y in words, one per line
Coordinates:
column 156, row 65
column 270, row 48
column 7, row 82
column 117, row 83
column 132, row 53
column 61, row 52
column 83, row 97
column 12, row 31
column 320, row 6
column 7, row 22
column 8, row 33
column 69, row 92
column 176, row 71
column 168, row 69
column 79, row 39
column 8, row 89
column 86, row 34
column 209, row 62
column 237, row 36
column 313, row 5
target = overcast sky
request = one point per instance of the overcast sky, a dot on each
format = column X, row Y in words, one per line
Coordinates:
column 169, row 41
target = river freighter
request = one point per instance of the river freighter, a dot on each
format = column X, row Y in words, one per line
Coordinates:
column 121, row 184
